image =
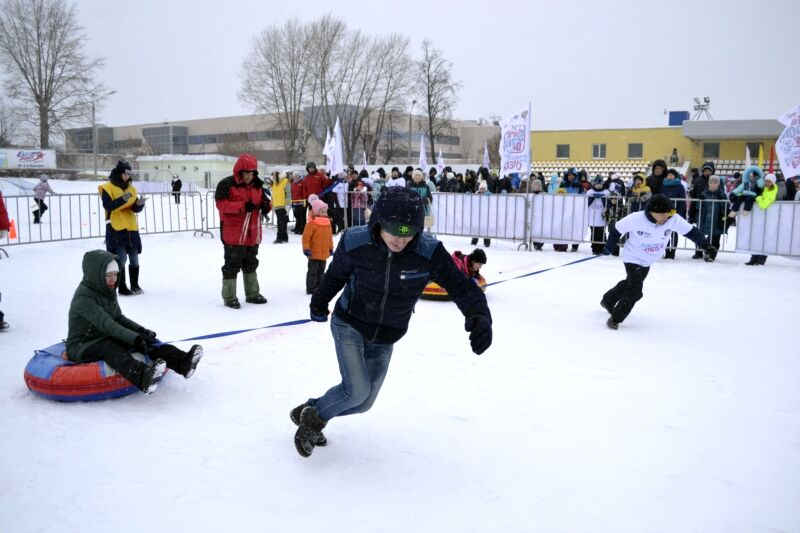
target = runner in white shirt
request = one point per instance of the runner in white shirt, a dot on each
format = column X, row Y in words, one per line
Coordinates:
column 648, row 234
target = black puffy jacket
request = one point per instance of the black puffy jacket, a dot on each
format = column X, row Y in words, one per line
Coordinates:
column 381, row 288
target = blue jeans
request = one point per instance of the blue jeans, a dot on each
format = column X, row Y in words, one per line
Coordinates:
column 123, row 254
column 363, row 365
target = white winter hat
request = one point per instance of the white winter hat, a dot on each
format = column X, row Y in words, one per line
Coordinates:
column 770, row 177
column 113, row 266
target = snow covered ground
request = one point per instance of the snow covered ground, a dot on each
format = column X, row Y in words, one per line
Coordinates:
column 685, row 419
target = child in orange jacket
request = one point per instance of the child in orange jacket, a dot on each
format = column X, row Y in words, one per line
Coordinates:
column 317, row 242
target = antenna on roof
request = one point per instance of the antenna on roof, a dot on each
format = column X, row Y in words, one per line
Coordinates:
column 702, row 108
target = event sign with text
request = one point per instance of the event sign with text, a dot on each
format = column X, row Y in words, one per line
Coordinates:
column 16, row 158
column 515, row 143
column 788, row 144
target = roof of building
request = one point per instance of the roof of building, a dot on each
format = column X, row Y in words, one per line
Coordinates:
column 732, row 129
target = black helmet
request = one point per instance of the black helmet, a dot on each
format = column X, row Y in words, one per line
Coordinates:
column 478, row 256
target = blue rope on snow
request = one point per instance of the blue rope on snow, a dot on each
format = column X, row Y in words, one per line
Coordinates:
column 304, row 320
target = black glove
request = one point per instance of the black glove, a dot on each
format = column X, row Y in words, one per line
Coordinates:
column 319, row 314
column 266, row 207
column 126, row 196
column 480, row 332
column 250, row 206
column 710, row 254
column 149, row 336
column 140, row 344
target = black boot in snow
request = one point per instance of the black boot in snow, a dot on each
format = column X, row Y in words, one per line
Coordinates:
column 123, row 286
column 753, row 261
column 698, row 255
column 611, row 323
column 150, row 376
column 134, row 272
column 311, row 426
column 189, row 364
column 606, row 306
column 294, row 414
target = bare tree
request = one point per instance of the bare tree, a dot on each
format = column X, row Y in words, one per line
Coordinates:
column 493, row 144
column 436, row 89
column 236, row 144
column 9, row 122
column 41, row 47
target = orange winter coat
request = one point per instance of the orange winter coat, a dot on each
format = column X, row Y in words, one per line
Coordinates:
column 318, row 237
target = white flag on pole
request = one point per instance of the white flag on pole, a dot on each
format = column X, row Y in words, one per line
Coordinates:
column 748, row 160
column 486, row 155
column 337, row 159
column 423, row 160
column 787, row 147
column 364, row 164
column 326, row 149
column 440, row 163
column 515, row 142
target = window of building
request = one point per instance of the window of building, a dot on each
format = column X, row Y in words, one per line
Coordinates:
column 754, row 150
column 711, row 151
column 562, row 151
column 635, row 150
column 598, row 151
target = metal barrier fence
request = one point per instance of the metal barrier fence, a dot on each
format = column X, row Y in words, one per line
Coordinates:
column 81, row 216
column 527, row 218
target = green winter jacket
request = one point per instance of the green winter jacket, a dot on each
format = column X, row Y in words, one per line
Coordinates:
column 94, row 314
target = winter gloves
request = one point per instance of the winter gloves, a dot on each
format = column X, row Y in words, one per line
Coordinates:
column 480, row 332
column 126, row 196
column 250, row 206
column 319, row 314
column 141, row 345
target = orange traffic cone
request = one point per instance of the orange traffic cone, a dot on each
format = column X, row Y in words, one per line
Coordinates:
column 12, row 232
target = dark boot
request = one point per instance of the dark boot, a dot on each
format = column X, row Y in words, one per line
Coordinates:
column 474, row 241
column 310, row 430
column 294, row 414
column 251, row 289
column 134, row 273
column 487, row 242
column 150, row 376
column 36, row 216
column 145, row 377
column 753, row 261
column 762, row 259
column 189, row 363
column 606, row 306
column 229, row 293
column 122, row 285
column 698, row 254
column 612, row 324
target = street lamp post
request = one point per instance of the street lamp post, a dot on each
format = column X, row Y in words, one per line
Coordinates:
column 410, row 112
column 94, row 128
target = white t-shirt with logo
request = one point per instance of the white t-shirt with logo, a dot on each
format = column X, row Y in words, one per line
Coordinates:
column 647, row 240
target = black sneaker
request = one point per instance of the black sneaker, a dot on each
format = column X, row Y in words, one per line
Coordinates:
column 256, row 299
column 698, row 255
column 605, row 306
column 4, row 325
column 151, row 374
column 193, row 357
column 611, row 324
column 294, row 414
column 233, row 303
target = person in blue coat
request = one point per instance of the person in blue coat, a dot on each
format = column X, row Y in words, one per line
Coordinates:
column 673, row 188
column 383, row 269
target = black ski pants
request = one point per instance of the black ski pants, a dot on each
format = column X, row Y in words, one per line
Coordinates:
column 244, row 258
column 283, row 224
column 624, row 295
column 118, row 356
column 316, row 270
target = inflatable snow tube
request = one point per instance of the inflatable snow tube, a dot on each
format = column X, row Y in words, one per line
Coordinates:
column 433, row 291
column 50, row 375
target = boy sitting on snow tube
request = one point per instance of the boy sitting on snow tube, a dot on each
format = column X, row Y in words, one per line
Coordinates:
column 471, row 264
column 99, row 331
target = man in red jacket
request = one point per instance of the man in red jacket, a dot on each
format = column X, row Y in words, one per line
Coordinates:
column 315, row 181
column 240, row 202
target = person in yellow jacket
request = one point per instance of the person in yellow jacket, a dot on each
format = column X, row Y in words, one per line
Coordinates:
column 121, row 204
column 764, row 200
column 281, row 192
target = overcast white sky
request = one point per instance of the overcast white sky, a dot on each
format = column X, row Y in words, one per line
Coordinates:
column 582, row 64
